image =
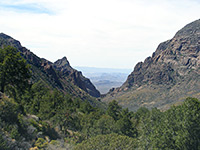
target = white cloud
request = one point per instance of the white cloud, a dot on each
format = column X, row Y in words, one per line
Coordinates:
column 106, row 33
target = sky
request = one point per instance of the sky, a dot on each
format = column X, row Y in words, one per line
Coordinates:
column 95, row 33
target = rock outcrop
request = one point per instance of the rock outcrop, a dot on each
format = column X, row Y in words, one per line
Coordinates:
column 166, row 78
column 76, row 77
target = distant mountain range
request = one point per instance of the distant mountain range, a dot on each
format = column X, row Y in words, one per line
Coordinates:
column 105, row 79
column 166, row 78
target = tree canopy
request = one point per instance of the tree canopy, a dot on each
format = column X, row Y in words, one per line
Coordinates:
column 14, row 71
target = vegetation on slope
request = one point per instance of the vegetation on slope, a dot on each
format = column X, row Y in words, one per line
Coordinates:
column 42, row 118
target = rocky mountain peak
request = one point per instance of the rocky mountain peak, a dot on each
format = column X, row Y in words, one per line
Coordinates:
column 76, row 77
column 172, row 60
column 173, row 72
column 63, row 65
column 190, row 29
column 62, row 62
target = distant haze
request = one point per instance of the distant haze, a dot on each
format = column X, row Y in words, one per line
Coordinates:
column 105, row 78
column 88, row 70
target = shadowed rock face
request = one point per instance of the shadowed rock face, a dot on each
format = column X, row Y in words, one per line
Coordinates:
column 58, row 75
column 76, row 77
column 172, row 73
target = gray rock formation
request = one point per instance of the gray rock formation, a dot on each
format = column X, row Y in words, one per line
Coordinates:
column 166, row 78
column 63, row 66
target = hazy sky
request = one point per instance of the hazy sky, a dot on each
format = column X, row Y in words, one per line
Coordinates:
column 95, row 33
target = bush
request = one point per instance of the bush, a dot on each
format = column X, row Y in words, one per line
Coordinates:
column 15, row 133
column 9, row 110
column 107, row 142
column 41, row 143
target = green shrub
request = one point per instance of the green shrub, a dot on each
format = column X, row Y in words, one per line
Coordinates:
column 9, row 110
column 41, row 143
column 15, row 133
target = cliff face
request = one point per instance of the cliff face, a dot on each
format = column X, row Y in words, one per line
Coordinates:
column 58, row 75
column 170, row 75
column 76, row 77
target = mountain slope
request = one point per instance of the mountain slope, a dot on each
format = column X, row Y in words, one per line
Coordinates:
column 59, row 75
column 166, row 78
